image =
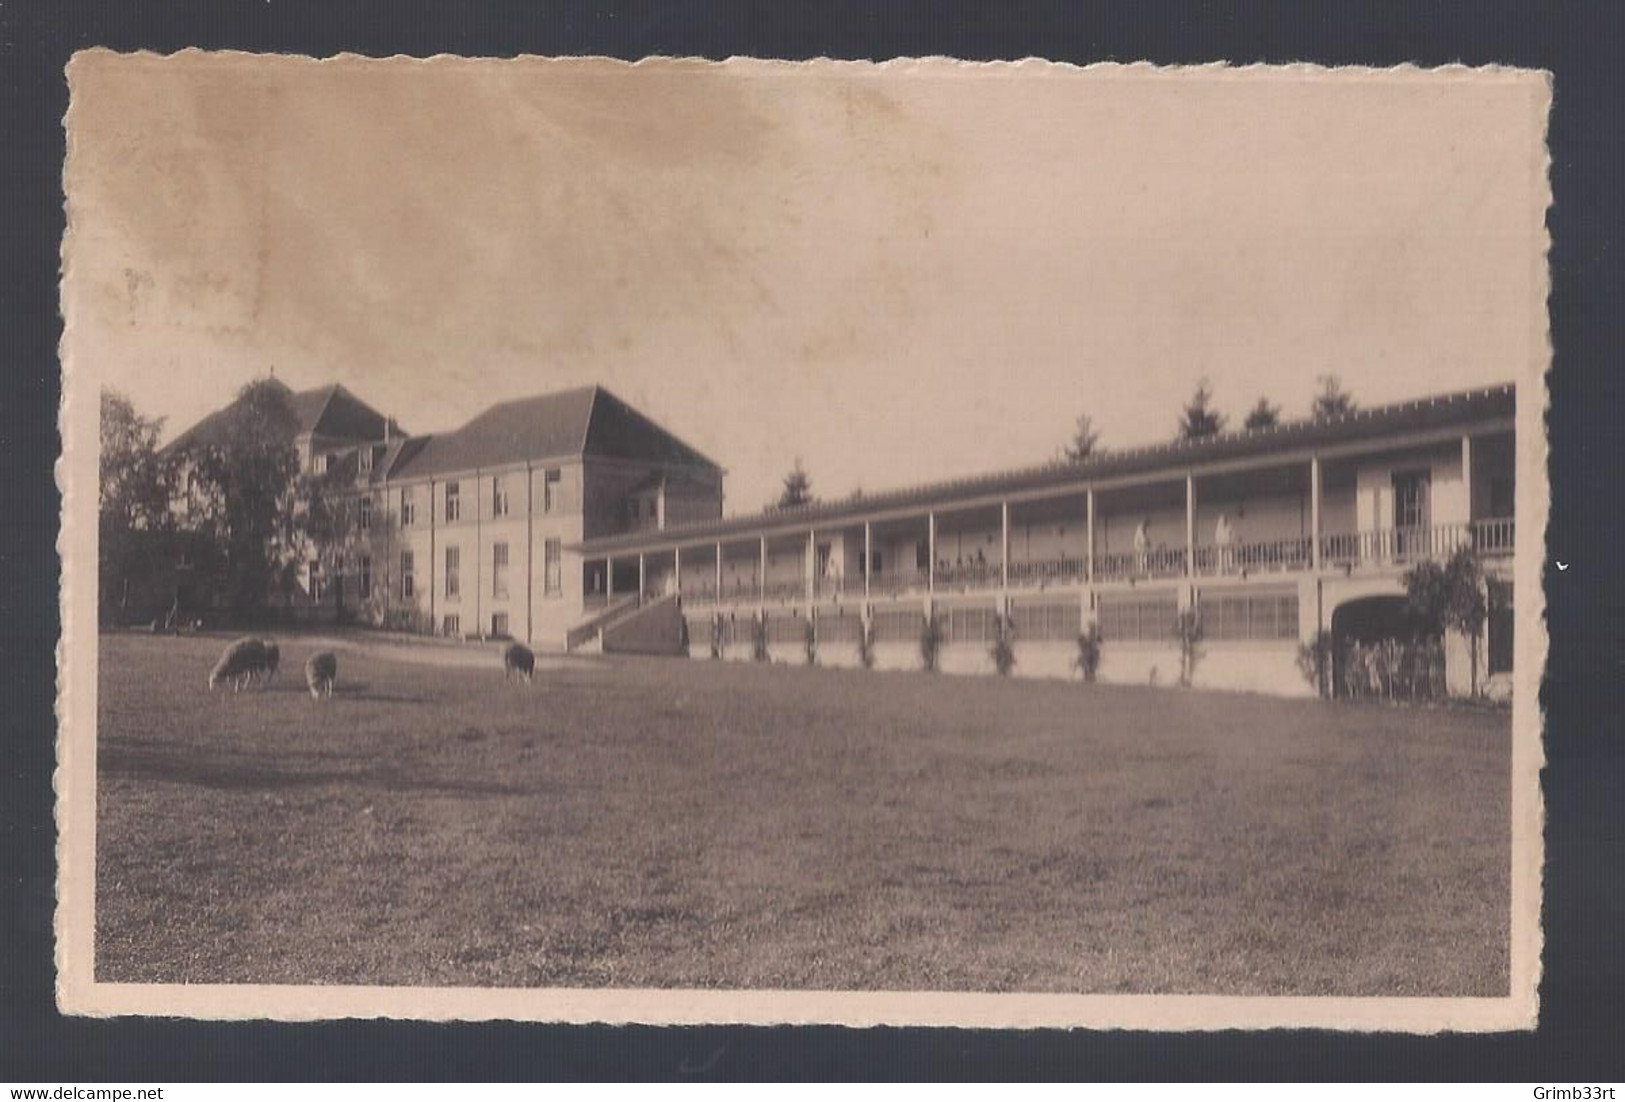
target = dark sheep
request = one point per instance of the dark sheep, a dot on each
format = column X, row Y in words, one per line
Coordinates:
column 273, row 657
column 238, row 664
column 321, row 670
column 517, row 658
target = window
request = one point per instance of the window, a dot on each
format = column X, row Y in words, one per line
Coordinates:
column 499, row 625
column 1147, row 618
column 1501, row 501
column 898, row 625
column 785, row 630
column 364, row 459
column 1048, row 621
column 499, row 570
column 551, row 554
column 407, row 584
column 1499, row 627
column 1270, row 615
column 499, row 497
column 922, row 556
column 451, row 625
column 364, row 519
column 366, row 577
column 552, row 484
column 453, row 563
column 969, row 625
column 454, row 503
column 408, row 507
column 318, row 463
column 315, row 579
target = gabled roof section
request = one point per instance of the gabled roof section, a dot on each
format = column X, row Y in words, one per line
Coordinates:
column 584, row 421
column 618, row 431
column 1464, row 408
column 544, row 427
column 330, row 411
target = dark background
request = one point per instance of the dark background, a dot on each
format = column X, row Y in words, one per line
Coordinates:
column 1583, row 986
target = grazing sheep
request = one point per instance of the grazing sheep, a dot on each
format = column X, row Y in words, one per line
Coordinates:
column 321, row 670
column 238, row 664
column 517, row 658
column 273, row 658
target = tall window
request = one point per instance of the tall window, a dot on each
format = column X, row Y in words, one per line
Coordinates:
column 552, row 485
column 499, row 570
column 315, row 579
column 364, row 520
column 451, row 625
column 499, row 497
column 1411, row 520
column 409, row 507
column 364, row 459
column 499, row 625
column 454, row 560
column 551, row 554
column 366, row 577
column 454, row 503
column 407, row 582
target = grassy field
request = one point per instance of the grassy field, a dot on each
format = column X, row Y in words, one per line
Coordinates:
column 666, row 823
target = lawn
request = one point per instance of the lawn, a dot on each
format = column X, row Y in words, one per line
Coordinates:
column 663, row 823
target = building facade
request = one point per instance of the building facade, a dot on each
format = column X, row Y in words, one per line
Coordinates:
column 1266, row 538
column 562, row 519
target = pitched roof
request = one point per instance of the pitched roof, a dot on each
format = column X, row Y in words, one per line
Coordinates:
column 1441, row 411
column 323, row 411
column 583, row 421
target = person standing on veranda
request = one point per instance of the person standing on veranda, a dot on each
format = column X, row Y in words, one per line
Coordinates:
column 1223, row 537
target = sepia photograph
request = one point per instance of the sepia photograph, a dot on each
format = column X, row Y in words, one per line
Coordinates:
column 913, row 543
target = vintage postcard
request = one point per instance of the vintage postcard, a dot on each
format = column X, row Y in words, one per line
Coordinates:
column 998, row 545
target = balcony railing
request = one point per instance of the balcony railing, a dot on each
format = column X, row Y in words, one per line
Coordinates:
column 1156, row 562
column 1338, row 549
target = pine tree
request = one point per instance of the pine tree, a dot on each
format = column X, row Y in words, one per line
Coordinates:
column 1200, row 419
column 1084, row 440
column 1262, row 416
column 1332, row 401
column 797, row 488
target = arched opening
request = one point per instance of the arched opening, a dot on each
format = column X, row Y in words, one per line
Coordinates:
column 1368, row 620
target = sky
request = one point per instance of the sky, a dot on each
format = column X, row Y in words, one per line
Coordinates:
column 896, row 274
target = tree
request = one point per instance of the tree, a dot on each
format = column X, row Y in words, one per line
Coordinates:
column 133, row 507
column 1084, row 440
column 1332, row 401
column 797, row 488
column 1200, row 419
column 1262, row 416
column 1449, row 596
column 247, row 484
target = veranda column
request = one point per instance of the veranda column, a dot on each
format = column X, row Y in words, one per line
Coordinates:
column 1314, row 512
column 609, row 578
column 717, row 597
column 761, row 577
column 1190, row 524
column 677, row 572
column 810, row 574
column 931, row 552
column 1004, row 566
column 1467, row 484
column 643, row 584
column 1088, row 556
column 868, row 558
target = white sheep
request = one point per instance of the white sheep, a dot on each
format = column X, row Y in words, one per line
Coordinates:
column 238, row 664
column 517, row 658
column 321, row 670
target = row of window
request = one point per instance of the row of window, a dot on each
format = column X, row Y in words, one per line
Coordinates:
column 552, row 574
column 452, row 624
column 552, row 500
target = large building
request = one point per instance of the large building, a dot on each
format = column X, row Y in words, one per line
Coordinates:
column 572, row 520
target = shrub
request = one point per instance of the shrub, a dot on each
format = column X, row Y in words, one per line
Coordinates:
column 1088, row 660
column 716, row 635
column 758, row 639
column 930, row 643
column 1315, row 662
column 866, row 644
column 1003, row 650
column 1188, row 627
column 1450, row 597
column 809, row 639
column 408, row 619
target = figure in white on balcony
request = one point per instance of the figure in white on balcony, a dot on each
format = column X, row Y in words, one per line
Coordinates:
column 1223, row 537
column 1142, row 545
